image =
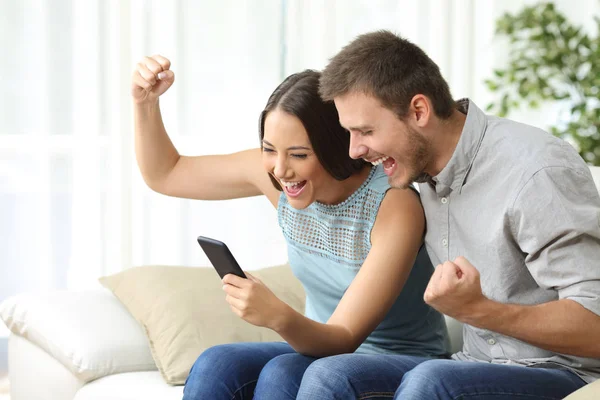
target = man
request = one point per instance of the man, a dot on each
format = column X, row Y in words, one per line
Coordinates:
column 512, row 222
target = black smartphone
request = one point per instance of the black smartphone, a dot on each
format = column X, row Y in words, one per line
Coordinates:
column 220, row 257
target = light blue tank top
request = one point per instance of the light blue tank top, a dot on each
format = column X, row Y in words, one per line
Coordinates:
column 327, row 245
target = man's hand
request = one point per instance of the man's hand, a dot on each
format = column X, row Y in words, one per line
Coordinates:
column 454, row 289
column 253, row 301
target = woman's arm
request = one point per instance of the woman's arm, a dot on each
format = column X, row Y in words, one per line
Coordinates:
column 396, row 238
column 164, row 170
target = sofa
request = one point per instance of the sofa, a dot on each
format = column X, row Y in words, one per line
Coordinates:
column 105, row 343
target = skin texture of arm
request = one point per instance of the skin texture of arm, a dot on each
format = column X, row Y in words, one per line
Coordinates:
column 396, row 238
column 563, row 326
column 211, row 177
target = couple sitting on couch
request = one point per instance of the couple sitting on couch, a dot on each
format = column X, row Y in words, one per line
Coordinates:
column 513, row 225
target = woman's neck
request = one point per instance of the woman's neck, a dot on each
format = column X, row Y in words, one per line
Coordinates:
column 341, row 190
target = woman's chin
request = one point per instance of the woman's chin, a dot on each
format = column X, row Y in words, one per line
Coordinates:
column 298, row 204
column 301, row 199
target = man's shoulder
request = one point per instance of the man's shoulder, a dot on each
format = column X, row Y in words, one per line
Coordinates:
column 514, row 138
column 516, row 148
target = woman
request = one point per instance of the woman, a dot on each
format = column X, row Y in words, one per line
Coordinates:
column 352, row 241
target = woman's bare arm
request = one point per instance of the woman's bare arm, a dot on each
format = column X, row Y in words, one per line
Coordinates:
column 210, row 177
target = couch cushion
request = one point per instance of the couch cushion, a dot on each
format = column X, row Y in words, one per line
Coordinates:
column 591, row 391
column 130, row 386
column 89, row 332
column 183, row 311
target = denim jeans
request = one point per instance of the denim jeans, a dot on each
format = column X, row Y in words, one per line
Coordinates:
column 356, row 376
column 275, row 371
column 449, row 379
column 236, row 371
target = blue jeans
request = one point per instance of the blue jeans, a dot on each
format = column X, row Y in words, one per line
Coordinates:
column 355, row 376
column 241, row 370
column 449, row 379
column 275, row 371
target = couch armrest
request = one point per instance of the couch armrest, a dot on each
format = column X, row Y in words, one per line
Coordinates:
column 28, row 363
column 591, row 391
column 89, row 332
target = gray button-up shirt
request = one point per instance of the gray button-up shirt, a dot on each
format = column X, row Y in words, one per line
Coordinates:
column 521, row 206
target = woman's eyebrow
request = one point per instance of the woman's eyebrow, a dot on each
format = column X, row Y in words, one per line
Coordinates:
column 289, row 148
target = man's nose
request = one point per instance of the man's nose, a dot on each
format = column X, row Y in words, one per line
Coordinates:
column 357, row 149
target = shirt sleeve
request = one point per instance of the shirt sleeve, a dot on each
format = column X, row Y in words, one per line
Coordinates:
column 556, row 221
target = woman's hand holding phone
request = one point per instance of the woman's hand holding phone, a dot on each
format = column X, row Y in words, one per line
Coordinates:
column 253, row 301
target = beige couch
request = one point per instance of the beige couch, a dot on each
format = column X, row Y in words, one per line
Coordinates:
column 86, row 345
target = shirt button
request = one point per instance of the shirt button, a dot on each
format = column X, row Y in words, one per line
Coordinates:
column 444, row 200
column 491, row 342
column 445, row 242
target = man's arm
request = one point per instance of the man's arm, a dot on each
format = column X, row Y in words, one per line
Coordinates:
column 563, row 326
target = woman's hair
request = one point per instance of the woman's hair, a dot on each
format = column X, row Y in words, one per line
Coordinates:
column 298, row 95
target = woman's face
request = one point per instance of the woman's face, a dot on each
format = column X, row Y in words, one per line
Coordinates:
column 288, row 156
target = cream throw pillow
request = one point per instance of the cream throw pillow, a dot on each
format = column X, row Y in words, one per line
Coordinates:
column 183, row 311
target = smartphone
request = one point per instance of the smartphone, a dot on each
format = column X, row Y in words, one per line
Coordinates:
column 220, row 257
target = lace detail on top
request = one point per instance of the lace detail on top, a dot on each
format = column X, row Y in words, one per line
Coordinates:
column 339, row 232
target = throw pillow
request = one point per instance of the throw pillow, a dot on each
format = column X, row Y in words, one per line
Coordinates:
column 183, row 311
column 89, row 332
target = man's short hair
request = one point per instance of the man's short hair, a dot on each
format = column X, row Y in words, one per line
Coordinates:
column 390, row 68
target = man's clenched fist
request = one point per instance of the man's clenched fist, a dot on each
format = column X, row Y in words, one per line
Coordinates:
column 454, row 289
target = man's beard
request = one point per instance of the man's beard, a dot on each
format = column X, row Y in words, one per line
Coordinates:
column 416, row 162
column 420, row 157
column 417, row 176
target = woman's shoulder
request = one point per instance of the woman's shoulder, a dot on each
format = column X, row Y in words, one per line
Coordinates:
column 400, row 211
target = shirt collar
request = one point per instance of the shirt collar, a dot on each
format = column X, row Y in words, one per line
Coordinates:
column 454, row 174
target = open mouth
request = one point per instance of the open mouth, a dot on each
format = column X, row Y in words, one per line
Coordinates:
column 293, row 189
column 389, row 164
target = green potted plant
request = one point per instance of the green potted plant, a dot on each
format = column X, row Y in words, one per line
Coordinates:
column 552, row 60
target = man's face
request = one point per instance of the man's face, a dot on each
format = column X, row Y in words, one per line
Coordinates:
column 380, row 137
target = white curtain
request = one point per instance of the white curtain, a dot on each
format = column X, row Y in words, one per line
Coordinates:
column 457, row 34
column 444, row 29
column 72, row 203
